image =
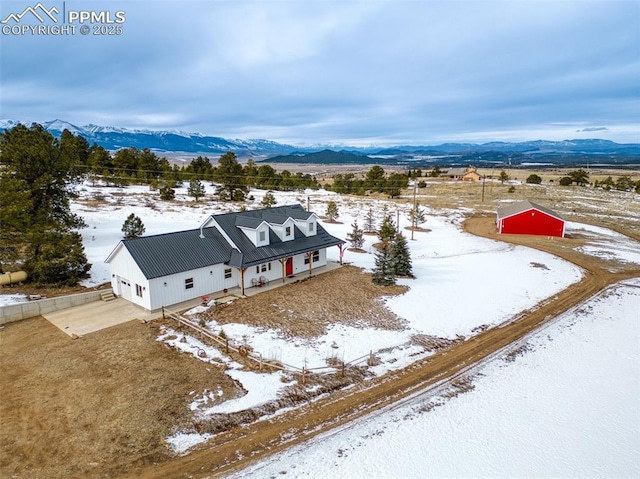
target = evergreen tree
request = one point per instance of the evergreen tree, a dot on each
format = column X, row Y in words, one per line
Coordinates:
column 579, row 177
column 269, row 200
column 60, row 260
column 167, row 193
column 435, row 172
column 374, row 180
column 503, row 177
column 383, row 274
column 387, row 231
column 332, row 211
column 36, row 186
column 395, row 183
column 534, row 179
column 147, row 165
column 417, row 216
column 370, row 222
column 132, row 227
column 196, row 189
column 99, row 160
column 356, row 237
column 231, row 178
column 201, row 167
column 400, row 257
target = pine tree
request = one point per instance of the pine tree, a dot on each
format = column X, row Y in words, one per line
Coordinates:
column 231, row 178
column 370, row 222
column 269, row 200
column 332, row 211
column 61, row 260
column 383, row 271
column 167, row 193
column 196, row 189
column 356, row 237
column 417, row 216
column 132, row 227
column 387, row 231
column 36, row 184
column 400, row 257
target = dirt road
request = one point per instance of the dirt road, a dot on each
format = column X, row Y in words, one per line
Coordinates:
column 238, row 447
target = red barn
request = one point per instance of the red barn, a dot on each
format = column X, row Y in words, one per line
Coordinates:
column 527, row 218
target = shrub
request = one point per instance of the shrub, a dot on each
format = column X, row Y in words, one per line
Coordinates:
column 534, row 179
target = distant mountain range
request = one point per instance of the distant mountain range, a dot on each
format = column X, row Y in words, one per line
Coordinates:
column 113, row 138
column 540, row 151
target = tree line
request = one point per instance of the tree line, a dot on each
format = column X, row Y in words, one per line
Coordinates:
column 375, row 180
column 38, row 174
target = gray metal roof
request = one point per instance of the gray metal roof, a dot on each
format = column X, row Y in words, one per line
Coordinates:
column 520, row 206
column 251, row 255
column 247, row 222
column 171, row 253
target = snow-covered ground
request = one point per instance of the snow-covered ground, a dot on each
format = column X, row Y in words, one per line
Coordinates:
column 567, row 407
column 7, row 299
column 462, row 282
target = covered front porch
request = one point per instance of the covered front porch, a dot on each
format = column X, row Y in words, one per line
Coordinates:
column 236, row 292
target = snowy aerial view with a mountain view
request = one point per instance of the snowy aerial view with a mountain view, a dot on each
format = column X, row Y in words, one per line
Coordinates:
column 386, row 239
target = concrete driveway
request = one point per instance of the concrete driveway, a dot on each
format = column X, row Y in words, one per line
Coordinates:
column 90, row 317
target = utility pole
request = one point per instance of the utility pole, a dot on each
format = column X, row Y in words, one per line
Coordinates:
column 483, row 179
column 413, row 220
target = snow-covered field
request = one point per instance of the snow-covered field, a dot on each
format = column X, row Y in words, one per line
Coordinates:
column 462, row 282
column 568, row 407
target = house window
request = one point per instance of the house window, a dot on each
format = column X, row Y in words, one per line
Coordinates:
column 262, row 236
column 311, row 227
column 315, row 257
column 227, row 273
column 188, row 283
column 138, row 290
column 261, row 268
column 287, row 231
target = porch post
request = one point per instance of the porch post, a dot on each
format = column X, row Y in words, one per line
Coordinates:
column 242, row 270
column 283, row 263
column 341, row 252
column 310, row 258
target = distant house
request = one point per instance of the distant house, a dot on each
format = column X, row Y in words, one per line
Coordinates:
column 528, row 218
column 464, row 174
column 229, row 250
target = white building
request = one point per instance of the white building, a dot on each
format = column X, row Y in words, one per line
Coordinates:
column 229, row 250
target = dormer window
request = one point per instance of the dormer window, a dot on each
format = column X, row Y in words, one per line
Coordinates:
column 262, row 236
column 287, row 231
column 311, row 227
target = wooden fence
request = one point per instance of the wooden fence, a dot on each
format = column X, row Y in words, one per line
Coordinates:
column 259, row 360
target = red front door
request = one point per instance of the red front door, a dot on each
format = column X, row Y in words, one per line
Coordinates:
column 289, row 266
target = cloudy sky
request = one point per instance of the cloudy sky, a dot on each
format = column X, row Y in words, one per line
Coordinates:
column 341, row 72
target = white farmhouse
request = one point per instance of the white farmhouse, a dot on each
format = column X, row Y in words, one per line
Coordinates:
column 229, row 250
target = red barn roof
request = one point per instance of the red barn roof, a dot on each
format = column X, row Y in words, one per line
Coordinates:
column 526, row 217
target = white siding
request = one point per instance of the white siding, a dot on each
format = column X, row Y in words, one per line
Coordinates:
column 124, row 268
column 254, row 234
column 308, row 227
column 275, row 274
column 281, row 230
column 169, row 290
